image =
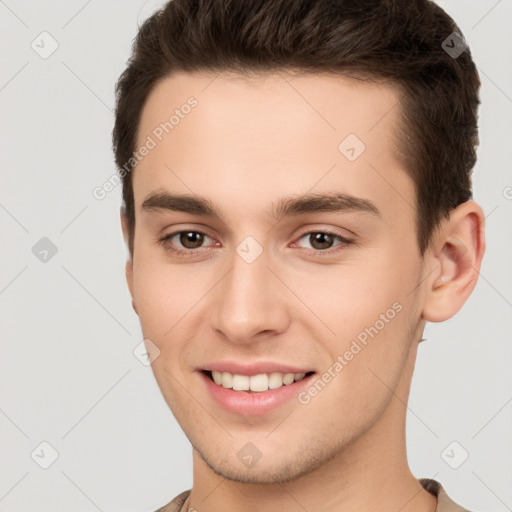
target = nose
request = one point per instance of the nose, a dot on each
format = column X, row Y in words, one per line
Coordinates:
column 250, row 302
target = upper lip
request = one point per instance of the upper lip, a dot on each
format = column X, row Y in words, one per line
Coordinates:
column 254, row 368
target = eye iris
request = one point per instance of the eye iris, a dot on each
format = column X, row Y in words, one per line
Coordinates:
column 196, row 239
column 321, row 238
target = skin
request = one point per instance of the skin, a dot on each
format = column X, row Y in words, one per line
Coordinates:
column 246, row 144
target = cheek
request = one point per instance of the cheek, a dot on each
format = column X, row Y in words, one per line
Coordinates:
column 372, row 312
column 349, row 298
column 170, row 300
column 159, row 297
column 367, row 361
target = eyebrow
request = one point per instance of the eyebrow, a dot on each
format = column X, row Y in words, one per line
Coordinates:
column 285, row 207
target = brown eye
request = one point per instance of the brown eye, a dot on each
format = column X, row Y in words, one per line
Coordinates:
column 191, row 239
column 321, row 240
column 323, row 243
column 185, row 242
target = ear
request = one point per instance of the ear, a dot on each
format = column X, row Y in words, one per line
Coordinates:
column 129, row 261
column 456, row 256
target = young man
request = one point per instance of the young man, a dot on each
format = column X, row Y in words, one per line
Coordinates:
column 297, row 205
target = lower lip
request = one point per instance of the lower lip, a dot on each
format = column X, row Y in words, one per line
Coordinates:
column 251, row 403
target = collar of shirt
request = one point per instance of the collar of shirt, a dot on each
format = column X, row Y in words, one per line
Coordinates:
column 444, row 502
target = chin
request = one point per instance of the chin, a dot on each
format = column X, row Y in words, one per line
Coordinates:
column 281, row 469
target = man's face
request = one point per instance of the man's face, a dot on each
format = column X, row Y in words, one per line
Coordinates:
column 269, row 294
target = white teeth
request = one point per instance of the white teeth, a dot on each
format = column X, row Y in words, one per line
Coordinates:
column 217, row 377
column 275, row 380
column 258, row 383
column 288, row 378
column 240, row 383
column 227, row 380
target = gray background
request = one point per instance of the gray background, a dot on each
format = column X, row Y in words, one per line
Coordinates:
column 68, row 374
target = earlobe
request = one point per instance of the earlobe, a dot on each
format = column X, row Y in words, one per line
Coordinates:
column 457, row 257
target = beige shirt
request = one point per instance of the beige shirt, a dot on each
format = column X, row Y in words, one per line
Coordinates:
column 444, row 502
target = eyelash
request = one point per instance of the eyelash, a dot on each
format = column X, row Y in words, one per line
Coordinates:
column 165, row 242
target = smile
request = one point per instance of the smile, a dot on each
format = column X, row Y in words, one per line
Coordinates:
column 254, row 395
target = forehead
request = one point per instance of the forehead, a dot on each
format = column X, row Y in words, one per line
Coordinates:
column 272, row 103
column 272, row 134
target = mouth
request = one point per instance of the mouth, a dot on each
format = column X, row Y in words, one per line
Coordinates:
column 256, row 388
column 259, row 383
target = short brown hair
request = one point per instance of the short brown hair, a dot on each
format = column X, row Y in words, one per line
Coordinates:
column 398, row 40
